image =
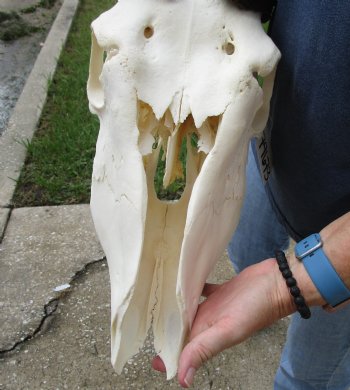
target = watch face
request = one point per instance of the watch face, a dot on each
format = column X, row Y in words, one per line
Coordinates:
column 307, row 245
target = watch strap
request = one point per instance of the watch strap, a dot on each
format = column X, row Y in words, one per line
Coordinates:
column 321, row 270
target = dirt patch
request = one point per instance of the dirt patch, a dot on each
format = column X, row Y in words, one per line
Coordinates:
column 23, row 29
column 13, row 26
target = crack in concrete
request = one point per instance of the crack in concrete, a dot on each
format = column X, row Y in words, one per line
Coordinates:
column 49, row 310
column 3, row 229
column 82, row 271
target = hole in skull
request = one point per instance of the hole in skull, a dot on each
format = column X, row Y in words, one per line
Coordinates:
column 110, row 53
column 148, row 32
column 194, row 140
column 176, row 188
column 229, row 48
column 169, row 149
column 259, row 79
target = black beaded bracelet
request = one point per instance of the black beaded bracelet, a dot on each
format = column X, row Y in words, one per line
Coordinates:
column 299, row 300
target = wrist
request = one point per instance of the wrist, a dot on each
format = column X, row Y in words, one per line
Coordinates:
column 308, row 289
column 336, row 246
column 284, row 299
column 322, row 272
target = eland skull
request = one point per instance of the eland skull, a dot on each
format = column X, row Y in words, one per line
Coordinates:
column 161, row 71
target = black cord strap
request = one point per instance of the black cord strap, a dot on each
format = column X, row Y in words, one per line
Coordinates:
column 299, row 300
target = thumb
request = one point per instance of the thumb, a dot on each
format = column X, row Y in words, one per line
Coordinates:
column 202, row 348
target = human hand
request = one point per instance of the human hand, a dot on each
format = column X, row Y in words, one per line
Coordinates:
column 232, row 312
column 253, row 300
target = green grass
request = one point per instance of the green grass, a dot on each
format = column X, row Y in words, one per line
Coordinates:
column 176, row 188
column 59, row 160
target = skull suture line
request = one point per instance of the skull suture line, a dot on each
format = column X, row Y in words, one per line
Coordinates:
column 172, row 68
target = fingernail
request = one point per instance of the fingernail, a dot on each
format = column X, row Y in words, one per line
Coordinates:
column 190, row 376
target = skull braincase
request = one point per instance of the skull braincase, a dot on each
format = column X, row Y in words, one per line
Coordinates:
column 160, row 71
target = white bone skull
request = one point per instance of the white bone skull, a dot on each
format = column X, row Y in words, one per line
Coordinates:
column 172, row 68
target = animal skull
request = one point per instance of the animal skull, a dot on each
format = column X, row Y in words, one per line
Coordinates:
column 160, row 71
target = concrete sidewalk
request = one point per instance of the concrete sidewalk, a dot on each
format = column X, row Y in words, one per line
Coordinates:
column 60, row 340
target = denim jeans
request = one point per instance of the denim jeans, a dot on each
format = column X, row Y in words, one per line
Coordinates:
column 316, row 355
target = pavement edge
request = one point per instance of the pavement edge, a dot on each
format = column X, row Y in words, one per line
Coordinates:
column 27, row 112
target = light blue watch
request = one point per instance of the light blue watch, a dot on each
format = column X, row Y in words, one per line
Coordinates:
column 321, row 271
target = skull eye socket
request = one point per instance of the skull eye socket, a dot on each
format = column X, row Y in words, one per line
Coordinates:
column 148, row 32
